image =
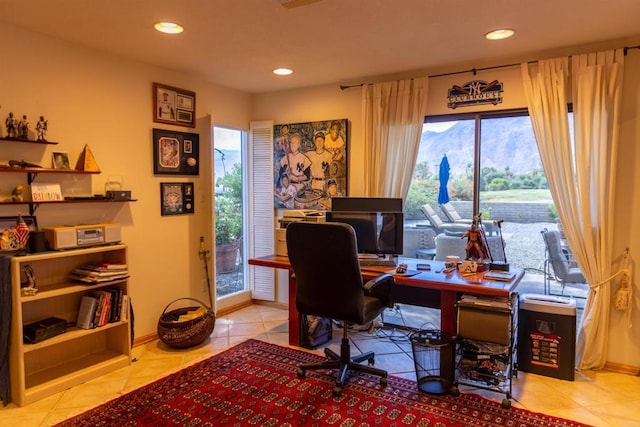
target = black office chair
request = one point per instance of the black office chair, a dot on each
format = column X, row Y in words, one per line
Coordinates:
column 324, row 258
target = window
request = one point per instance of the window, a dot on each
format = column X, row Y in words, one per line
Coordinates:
column 495, row 170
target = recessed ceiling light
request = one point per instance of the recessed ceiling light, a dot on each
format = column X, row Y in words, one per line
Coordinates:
column 168, row 27
column 282, row 71
column 503, row 33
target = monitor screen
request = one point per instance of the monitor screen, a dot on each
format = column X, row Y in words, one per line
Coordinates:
column 366, row 204
column 378, row 233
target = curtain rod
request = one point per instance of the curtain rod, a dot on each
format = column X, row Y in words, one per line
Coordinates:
column 475, row 70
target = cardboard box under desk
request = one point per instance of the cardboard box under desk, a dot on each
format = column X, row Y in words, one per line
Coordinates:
column 484, row 323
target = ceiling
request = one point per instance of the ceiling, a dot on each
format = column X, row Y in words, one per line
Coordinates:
column 237, row 43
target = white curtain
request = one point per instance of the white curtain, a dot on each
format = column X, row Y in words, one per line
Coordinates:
column 581, row 173
column 393, row 114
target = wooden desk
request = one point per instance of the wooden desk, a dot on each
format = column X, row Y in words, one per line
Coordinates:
column 427, row 289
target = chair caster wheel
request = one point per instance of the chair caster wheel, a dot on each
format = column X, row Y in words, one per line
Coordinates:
column 337, row 391
column 506, row 403
column 383, row 381
column 300, row 373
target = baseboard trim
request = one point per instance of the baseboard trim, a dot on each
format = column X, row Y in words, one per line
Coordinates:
column 280, row 305
column 622, row 369
column 231, row 308
column 145, row 339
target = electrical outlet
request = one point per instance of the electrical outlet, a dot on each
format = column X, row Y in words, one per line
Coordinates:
column 204, row 287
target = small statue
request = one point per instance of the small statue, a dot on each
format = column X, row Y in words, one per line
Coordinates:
column 41, row 129
column 23, row 128
column 476, row 248
column 16, row 194
column 29, row 287
column 12, row 126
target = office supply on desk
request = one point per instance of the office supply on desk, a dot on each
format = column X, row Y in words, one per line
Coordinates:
column 406, row 273
column 337, row 292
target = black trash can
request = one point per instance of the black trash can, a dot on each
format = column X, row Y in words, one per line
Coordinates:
column 547, row 335
column 433, row 356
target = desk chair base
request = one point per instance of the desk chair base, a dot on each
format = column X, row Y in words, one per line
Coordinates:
column 344, row 362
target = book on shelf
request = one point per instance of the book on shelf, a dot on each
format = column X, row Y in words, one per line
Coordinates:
column 90, row 273
column 98, row 311
column 87, row 311
column 124, row 312
column 105, row 315
column 101, row 307
column 96, row 279
column 111, row 266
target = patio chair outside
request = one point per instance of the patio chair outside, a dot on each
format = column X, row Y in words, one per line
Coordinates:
column 439, row 225
column 453, row 215
column 557, row 265
column 427, row 244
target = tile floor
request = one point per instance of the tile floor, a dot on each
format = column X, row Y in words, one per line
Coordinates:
column 598, row 398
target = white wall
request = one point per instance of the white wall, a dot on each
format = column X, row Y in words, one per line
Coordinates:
column 327, row 102
column 106, row 102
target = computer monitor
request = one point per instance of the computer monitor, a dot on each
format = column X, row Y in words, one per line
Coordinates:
column 377, row 222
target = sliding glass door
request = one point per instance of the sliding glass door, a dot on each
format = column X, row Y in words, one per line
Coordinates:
column 229, row 203
column 493, row 169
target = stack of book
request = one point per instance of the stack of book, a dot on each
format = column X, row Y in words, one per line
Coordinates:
column 101, row 307
column 92, row 273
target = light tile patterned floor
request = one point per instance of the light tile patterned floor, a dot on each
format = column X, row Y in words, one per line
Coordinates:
column 598, row 398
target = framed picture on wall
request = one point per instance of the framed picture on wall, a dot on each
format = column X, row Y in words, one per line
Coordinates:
column 310, row 164
column 174, row 106
column 176, row 198
column 175, row 153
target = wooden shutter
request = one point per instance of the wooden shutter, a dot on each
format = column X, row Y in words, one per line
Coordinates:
column 260, row 218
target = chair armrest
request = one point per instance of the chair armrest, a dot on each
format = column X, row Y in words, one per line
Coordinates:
column 380, row 287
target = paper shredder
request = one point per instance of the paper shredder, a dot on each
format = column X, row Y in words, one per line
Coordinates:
column 547, row 335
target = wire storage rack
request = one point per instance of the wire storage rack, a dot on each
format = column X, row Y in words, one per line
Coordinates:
column 486, row 345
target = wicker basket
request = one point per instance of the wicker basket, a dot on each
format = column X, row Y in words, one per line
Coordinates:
column 186, row 333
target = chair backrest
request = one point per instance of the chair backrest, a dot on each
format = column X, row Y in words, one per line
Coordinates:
column 427, row 238
column 432, row 216
column 450, row 212
column 324, row 258
column 555, row 255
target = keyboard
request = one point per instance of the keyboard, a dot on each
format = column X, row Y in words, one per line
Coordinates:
column 378, row 262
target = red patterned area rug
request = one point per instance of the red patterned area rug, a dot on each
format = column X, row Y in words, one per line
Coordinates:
column 255, row 384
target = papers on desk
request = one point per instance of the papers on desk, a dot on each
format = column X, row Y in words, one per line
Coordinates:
column 505, row 276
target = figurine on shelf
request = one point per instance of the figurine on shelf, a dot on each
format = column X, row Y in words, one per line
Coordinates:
column 23, row 128
column 41, row 129
column 16, row 194
column 12, row 126
column 29, row 287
